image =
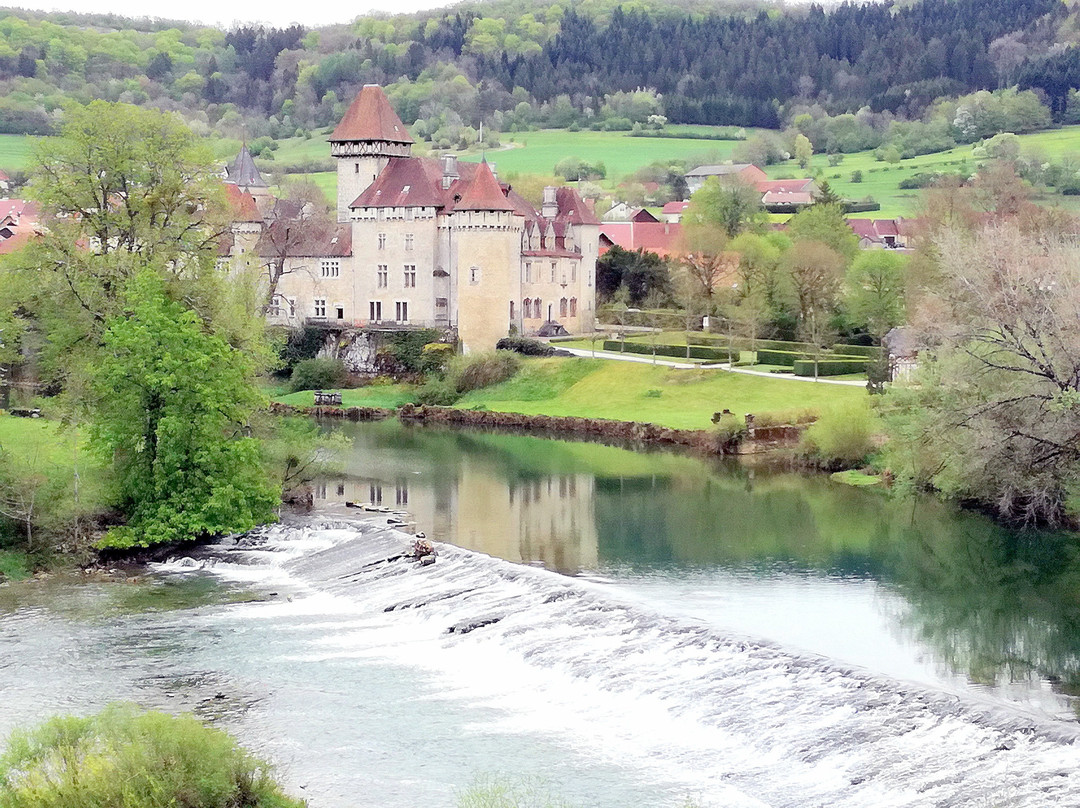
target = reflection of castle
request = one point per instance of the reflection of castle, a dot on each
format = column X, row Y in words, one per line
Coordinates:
column 546, row 519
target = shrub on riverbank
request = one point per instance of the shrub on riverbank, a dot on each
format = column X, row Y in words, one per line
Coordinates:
column 318, row 374
column 844, row 435
column 477, row 371
column 122, row 757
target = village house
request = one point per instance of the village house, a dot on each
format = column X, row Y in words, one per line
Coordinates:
column 424, row 242
column 738, row 172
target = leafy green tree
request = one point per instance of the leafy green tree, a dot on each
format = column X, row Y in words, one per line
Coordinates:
column 639, row 272
column 875, row 290
column 804, row 150
column 730, row 206
column 122, row 189
column 825, row 224
column 173, row 404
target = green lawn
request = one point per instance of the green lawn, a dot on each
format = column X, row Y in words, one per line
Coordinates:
column 388, row 396
column 685, row 399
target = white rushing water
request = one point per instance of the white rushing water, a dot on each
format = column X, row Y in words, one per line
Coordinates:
column 474, row 659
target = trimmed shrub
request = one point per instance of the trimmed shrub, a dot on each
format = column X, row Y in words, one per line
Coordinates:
column 843, row 436
column 830, row 366
column 525, row 346
column 477, row 371
column 782, row 358
column 672, row 351
column 869, row 351
column 318, row 374
column 125, row 757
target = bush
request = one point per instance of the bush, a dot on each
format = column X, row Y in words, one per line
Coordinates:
column 300, row 344
column 477, row 371
column 781, row 358
column 524, row 346
column 435, row 356
column 869, row 351
column 843, row 436
column 141, row 760
column 436, row 393
column 830, row 366
column 856, row 175
column 318, row 374
column 672, row 351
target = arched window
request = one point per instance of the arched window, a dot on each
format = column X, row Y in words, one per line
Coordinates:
column 526, row 306
column 573, row 307
column 538, row 308
column 562, row 307
column 511, row 311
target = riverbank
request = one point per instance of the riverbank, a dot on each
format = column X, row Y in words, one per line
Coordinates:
column 683, row 399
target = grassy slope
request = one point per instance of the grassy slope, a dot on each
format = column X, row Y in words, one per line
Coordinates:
column 595, row 388
column 687, row 398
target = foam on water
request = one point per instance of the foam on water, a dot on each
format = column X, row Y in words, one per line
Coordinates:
column 738, row 721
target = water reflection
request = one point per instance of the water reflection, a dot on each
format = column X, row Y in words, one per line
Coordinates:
column 998, row 608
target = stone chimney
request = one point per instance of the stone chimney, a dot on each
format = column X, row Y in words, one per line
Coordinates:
column 550, row 208
column 450, row 170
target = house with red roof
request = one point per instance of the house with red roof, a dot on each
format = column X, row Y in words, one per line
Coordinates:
column 875, row 234
column 432, row 242
column 738, row 172
column 662, row 238
column 19, row 222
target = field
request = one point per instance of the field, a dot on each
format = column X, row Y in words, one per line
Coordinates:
column 882, row 180
column 15, row 152
column 624, row 391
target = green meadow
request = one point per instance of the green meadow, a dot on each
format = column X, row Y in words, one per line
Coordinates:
column 622, row 391
column 15, row 152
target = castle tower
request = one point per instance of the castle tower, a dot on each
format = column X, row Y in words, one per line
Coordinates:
column 487, row 255
column 363, row 143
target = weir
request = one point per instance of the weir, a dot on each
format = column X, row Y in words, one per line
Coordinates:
column 740, row 720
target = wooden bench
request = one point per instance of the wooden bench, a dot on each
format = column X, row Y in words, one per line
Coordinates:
column 327, row 399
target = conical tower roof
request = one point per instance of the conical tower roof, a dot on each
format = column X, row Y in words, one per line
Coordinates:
column 370, row 117
column 483, row 192
column 242, row 171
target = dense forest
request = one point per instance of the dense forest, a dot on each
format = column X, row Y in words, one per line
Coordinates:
column 519, row 65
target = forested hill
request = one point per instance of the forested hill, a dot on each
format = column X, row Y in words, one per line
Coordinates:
column 532, row 63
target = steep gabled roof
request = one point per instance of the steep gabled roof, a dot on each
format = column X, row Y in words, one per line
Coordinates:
column 801, row 186
column 483, row 193
column 243, row 206
column 242, row 171
column 370, row 117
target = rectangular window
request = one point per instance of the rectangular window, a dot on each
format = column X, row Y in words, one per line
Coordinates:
column 573, row 271
column 320, row 307
column 331, row 267
column 375, row 494
column 554, row 267
column 375, row 311
column 410, row 214
column 528, row 272
column 382, row 276
column 340, row 311
column 474, row 275
column 382, row 239
column 401, row 309
column 410, row 276
column 291, row 302
column 357, row 167
column 440, row 302
column 274, row 309
column 401, row 494
column 410, row 240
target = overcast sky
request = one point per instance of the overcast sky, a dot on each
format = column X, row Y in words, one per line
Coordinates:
column 275, row 12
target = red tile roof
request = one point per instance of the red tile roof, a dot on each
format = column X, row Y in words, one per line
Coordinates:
column 572, row 207
column 242, row 204
column 405, row 182
column 675, row 207
column 786, row 198
column 662, row 238
column 331, row 243
column 12, row 244
column 483, row 193
column 370, row 117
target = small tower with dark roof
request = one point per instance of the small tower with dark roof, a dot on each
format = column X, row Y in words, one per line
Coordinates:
column 368, row 136
column 243, row 173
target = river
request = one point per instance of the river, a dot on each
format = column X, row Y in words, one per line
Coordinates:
column 624, row 628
